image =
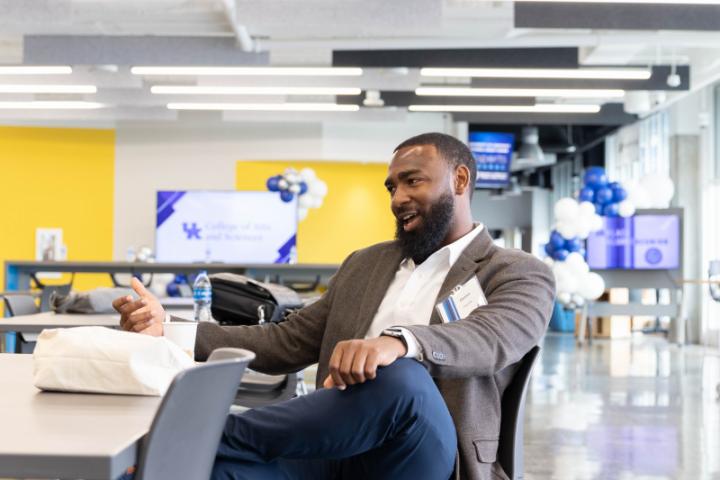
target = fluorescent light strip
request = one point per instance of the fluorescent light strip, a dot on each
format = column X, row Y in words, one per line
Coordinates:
column 216, row 90
column 519, row 92
column 239, row 71
column 562, row 73
column 34, row 70
column 644, row 2
column 52, row 105
column 48, row 89
column 268, row 107
column 542, row 108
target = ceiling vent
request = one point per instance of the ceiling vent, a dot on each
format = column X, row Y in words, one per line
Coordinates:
column 530, row 155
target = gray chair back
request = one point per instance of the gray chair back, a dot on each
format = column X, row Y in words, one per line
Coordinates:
column 185, row 434
column 510, row 448
column 21, row 304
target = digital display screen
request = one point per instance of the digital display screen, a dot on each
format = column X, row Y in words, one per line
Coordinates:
column 641, row 242
column 225, row 226
column 493, row 155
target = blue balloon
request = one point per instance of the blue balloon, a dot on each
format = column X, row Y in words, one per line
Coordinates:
column 303, row 188
column 595, row 177
column 561, row 255
column 286, row 196
column 573, row 245
column 598, row 208
column 587, row 194
column 549, row 250
column 582, row 252
column 172, row 290
column 611, row 210
column 556, row 240
column 619, row 194
column 603, row 195
column 272, row 183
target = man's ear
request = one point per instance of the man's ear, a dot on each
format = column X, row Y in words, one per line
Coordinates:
column 462, row 179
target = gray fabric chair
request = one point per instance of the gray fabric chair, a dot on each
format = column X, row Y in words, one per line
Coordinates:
column 188, row 425
column 22, row 304
column 510, row 448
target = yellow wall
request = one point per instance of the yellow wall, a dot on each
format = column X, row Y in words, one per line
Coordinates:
column 57, row 178
column 355, row 213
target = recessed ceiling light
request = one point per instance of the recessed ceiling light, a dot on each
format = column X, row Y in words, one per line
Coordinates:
column 237, row 71
column 562, row 73
column 52, row 105
column 217, row 90
column 542, row 108
column 48, row 89
column 34, row 70
column 520, row 92
column 269, row 107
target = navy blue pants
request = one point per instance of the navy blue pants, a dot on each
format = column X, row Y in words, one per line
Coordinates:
column 394, row 427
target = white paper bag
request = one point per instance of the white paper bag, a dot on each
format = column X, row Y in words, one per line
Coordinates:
column 103, row 360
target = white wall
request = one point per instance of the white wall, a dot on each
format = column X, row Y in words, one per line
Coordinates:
column 202, row 155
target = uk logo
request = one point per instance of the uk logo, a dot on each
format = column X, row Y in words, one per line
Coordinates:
column 192, row 230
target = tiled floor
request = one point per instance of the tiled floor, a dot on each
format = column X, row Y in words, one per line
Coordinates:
column 623, row 409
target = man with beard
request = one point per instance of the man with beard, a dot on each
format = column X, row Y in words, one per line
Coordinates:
column 415, row 340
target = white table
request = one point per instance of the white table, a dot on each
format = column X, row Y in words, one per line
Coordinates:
column 63, row 435
column 39, row 321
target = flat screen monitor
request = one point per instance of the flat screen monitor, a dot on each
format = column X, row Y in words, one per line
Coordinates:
column 225, row 226
column 649, row 240
column 493, row 155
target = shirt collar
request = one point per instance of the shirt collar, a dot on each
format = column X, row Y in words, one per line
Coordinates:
column 452, row 251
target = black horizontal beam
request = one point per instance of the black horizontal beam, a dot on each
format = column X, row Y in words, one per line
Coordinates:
column 403, row 99
column 468, row 57
column 611, row 114
column 617, row 16
column 658, row 81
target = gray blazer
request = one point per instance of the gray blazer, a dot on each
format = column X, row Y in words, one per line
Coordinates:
column 472, row 360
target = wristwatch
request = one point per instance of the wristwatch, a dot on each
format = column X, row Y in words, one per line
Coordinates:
column 396, row 333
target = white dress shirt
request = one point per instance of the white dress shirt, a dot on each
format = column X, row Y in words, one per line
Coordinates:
column 411, row 297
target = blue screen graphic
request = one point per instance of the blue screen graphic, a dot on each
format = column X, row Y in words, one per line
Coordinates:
column 493, row 154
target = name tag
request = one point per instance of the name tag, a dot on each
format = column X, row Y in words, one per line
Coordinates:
column 464, row 299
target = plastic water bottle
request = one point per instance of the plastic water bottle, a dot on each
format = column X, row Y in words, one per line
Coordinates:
column 202, row 298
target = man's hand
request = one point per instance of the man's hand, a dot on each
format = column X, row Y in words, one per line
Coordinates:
column 144, row 315
column 356, row 361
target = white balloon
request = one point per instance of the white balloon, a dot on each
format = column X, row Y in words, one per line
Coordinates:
column 292, row 178
column 567, row 229
column 638, row 195
column 318, row 188
column 578, row 300
column 586, row 209
column 577, row 264
column 597, row 223
column 592, row 286
column 583, row 227
column 566, row 209
column 283, row 184
column 564, row 298
column 294, row 188
column 317, row 202
column 305, row 201
column 302, row 213
column 626, row 208
column 307, row 174
column 660, row 190
column 564, row 278
column 549, row 261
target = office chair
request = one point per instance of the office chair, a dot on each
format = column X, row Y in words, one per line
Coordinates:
column 22, row 304
column 258, row 389
column 510, row 446
column 186, row 431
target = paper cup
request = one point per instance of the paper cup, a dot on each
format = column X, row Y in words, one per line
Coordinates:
column 182, row 334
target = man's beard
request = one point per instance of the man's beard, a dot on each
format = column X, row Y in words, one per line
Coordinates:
column 425, row 240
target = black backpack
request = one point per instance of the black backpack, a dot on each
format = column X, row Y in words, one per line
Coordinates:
column 240, row 300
